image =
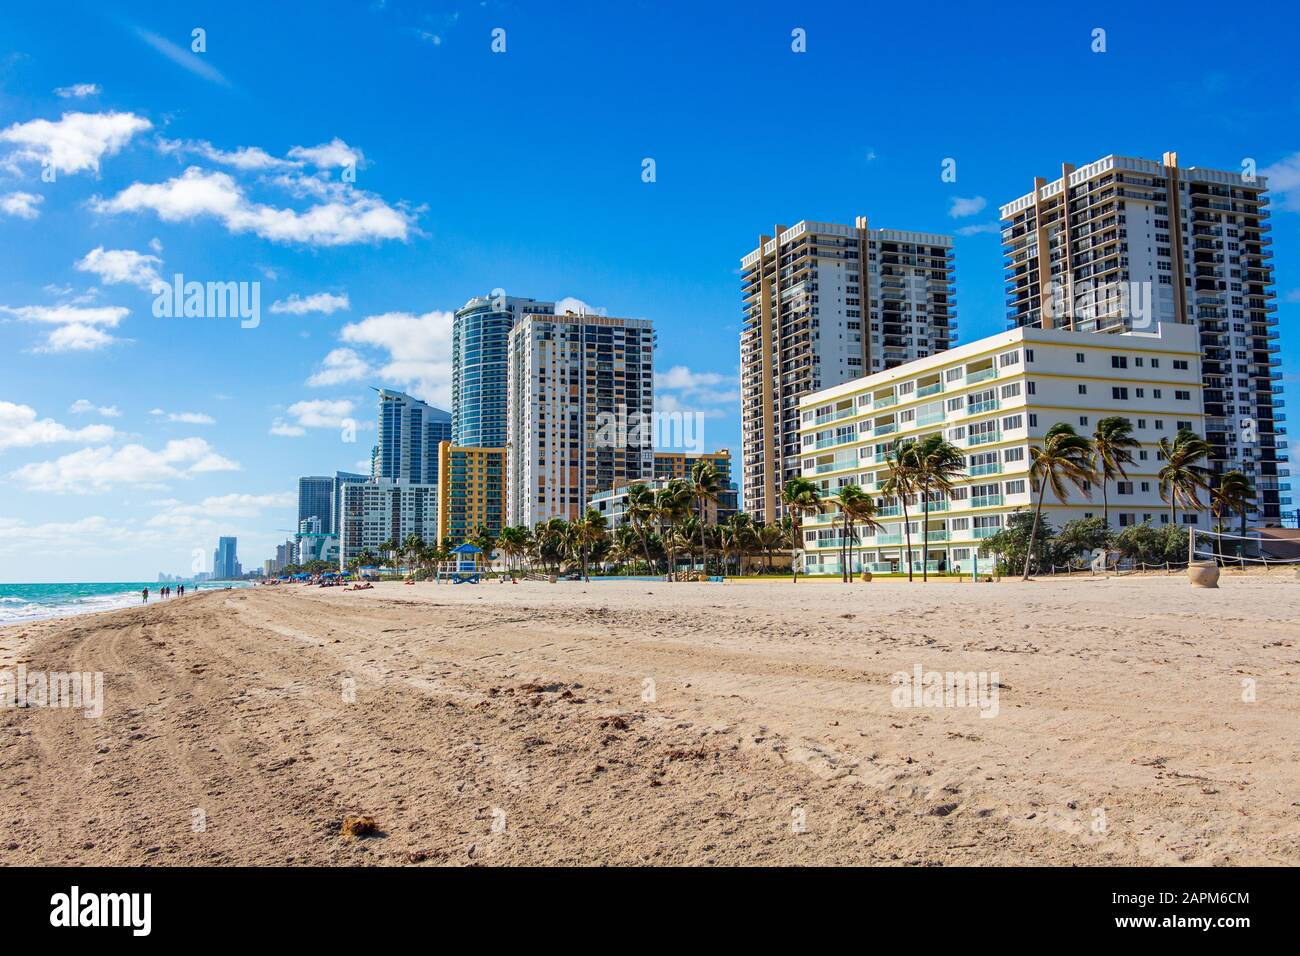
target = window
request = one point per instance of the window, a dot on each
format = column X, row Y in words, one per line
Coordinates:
column 1155, row 363
column 1083, row 389
column 1013, row 454
column 1180, row 364
column 1118, row 361
column 1118, row 393
column 1155, row 392
column 1029, row 355
column 1125, row 520
column 1010, row 391
column 956, row 404
column 1079, row 357
column 1029, row 388
column 1182, row 395
column 1016, row 487
column 1124, row 487
column 959, row 524
column 1033, row 420
column 1138, row 362
column 1008, row 358
column 1190, row 519
column 1013, row 421
column 953, row 374
column 1083, row 419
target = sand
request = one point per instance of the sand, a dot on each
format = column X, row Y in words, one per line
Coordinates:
column 649, row 723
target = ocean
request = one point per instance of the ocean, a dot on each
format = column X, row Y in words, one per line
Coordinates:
column 34, row 602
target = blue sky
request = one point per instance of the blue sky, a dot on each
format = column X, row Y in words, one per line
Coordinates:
column 129, row 441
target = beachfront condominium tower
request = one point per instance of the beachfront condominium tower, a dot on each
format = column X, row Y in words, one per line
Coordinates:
column 225, row 564
column 480, row 342
column 581, row 404
column 1124, row 243
column 822, row 304
column 471, row 491
column 409, row 433
column 995, row 399
column 315, row 499
column 376, row 512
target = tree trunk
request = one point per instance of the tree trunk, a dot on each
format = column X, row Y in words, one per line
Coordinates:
column 907, row 534
column 925, row 534
column 1105, row 504
column 1033, row 532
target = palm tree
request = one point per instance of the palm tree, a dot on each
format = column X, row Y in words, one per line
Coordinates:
column 938, row 463
column 737, row 538
column 1065, row 456
column 639, row 511
column 900, row 482
column 705, row 487
column 1234, row 493
column 1180, row 476
column 412, row 545
column 670, row 502
column 769, row 538
column 856, row 508
column 585, row 533
column 1111, row 442
column 512, row 543
column 801, row 498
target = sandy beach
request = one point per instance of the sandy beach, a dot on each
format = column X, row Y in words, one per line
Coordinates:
column 648, row 723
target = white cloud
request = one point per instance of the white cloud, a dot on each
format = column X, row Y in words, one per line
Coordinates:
column 122, row 266
column 77, row 338
column 182, row 57
column 77, row 329
column 246, row 158
column 1284, row 181
column 187, row 418
column 681, row 377
column 93, row 470
column 321, row 413
column 975, row 230
column 20, row 428
column 339, row 366
column 83, row 407
column 350, row 216
column 283, row 429
column 77, row 90
column 570, row 304
column 331, row 155
column 317, row 302
column 76, row 142
column 418, row 347
column 20, row 204
column 960, row 208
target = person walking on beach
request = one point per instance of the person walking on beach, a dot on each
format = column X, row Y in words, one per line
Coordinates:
column 144, row 596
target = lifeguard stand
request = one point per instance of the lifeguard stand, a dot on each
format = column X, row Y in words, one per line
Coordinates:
column 464, row 566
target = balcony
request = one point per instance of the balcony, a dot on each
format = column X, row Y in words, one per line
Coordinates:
column 985, row 501
column 883, row 539
column 885, row 402
column 992, row 468
column 979, row 533
column 980, row 407
column 983, row 438
column 933, row 389
column 983, row 375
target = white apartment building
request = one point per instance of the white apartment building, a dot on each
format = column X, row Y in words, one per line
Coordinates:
column 993, row 398
column 581, row 406
column 1122, row 243
column 825, row 303
column 382, row 510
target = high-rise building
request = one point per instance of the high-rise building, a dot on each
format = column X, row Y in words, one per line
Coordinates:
column 340, row 479
column 995, row 399
column 823, row 304
column 671, row 464
column 612, row 504
column 1124, row 243
column 409, row 433
column 480, row 352
column 581, row 406
column 315, row 499
column 384, row 510
column 225, row 565
column 471, row 491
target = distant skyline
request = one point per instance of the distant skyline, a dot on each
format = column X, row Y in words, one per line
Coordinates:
column 374, row 168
